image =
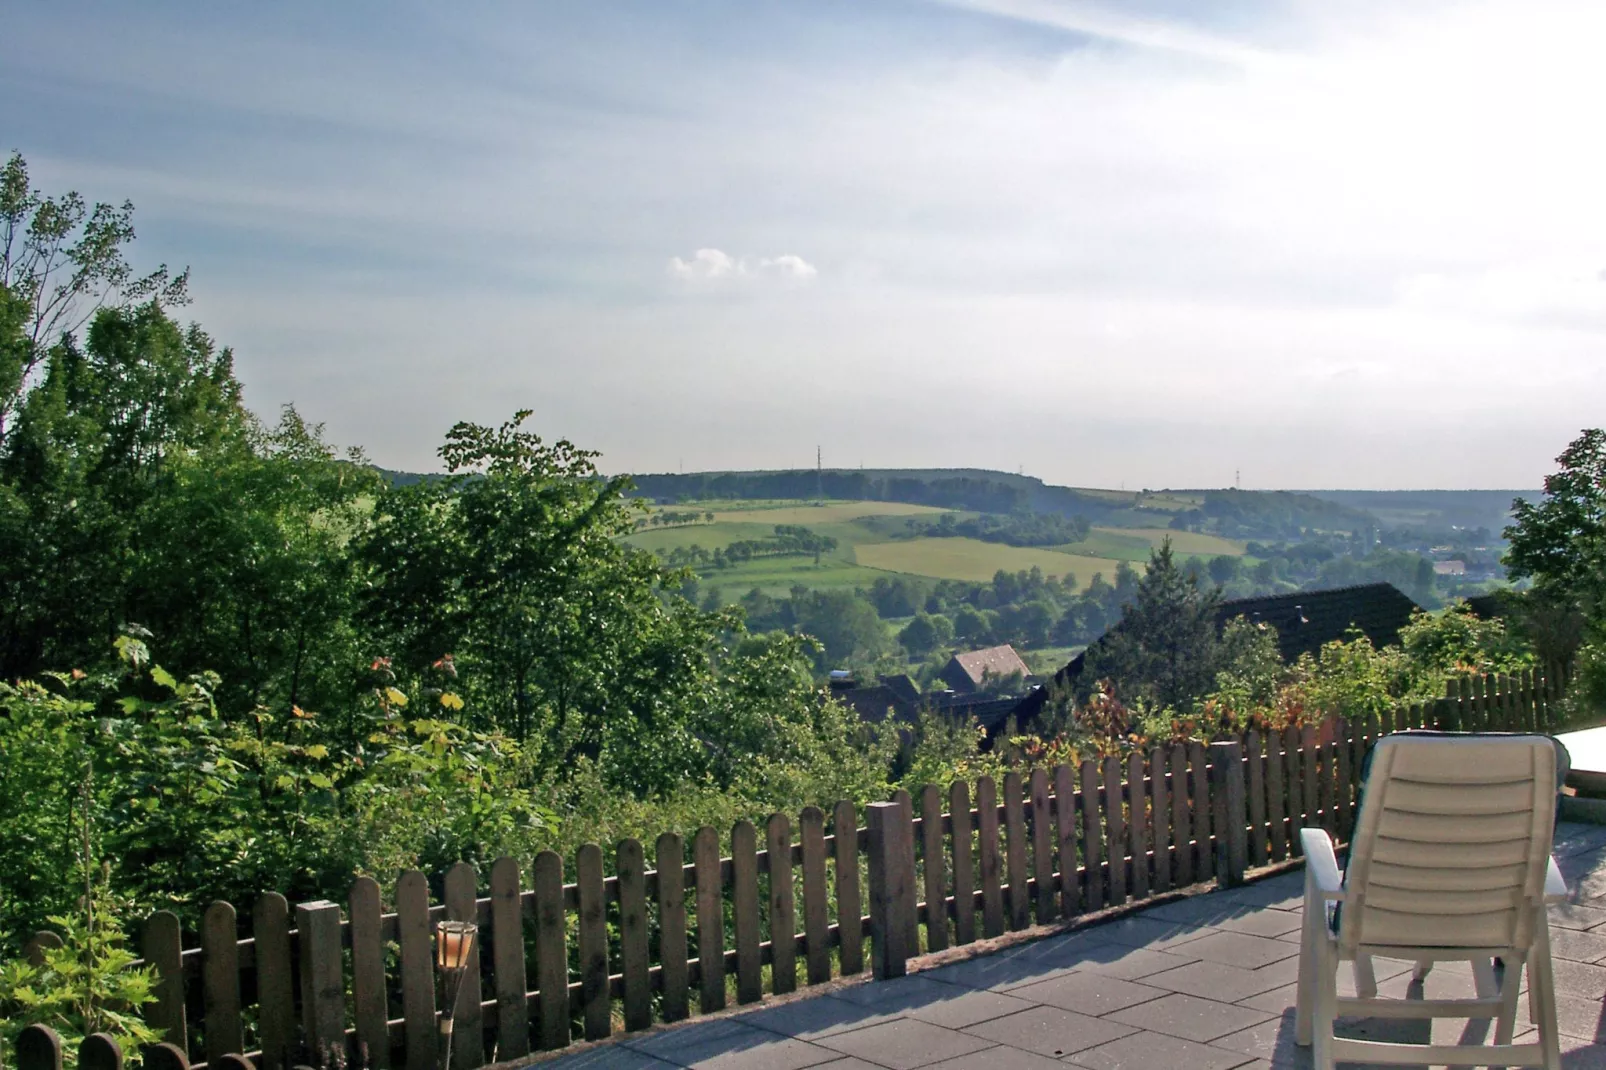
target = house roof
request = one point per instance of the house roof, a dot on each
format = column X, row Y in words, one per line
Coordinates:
column 1305, row 621
column 997, row 660
column 903, row 686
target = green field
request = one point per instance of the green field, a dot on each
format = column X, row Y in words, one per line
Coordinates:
column 972, row 559
column 867, row 548
column 1134, row 544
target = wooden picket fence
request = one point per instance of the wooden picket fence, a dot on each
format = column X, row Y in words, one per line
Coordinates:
column 558, row 961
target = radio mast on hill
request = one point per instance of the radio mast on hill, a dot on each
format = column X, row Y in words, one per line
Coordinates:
column 819, row 478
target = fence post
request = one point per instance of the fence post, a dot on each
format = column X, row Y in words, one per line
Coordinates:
column 1451, row 707
column 889, row 896
column 1231, row 815
column 323, row 989
column 38, row 1048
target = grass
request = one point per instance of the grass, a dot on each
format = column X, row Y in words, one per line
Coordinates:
column 1134, row 544
column 866, row 549
column 972, row 559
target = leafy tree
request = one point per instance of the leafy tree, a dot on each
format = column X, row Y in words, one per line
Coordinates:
column 1559, row 542
column 925, row 633
column 514, row 564
column 1168, row 649
column 973, row 625
column 1225, row 568
column 61, row 261
column 848, row 628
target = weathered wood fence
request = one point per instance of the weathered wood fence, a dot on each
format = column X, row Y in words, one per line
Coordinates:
column 733, row 918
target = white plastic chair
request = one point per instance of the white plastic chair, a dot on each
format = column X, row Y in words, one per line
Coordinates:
column 1450, row 860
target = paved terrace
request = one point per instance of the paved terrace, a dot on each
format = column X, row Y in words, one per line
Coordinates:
column 1205, row 983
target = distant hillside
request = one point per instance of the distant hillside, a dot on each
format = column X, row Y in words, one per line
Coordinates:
column 1468, row 509
column 1234, row 513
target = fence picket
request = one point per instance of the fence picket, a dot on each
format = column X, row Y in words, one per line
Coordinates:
column 1204, row 859
column 220, row 981
column 1342, row 789
column 99, row 1051
column 164, row 949
column 1042, row 824
column 1276, row 798
column 849, row 900
column 468, row 1040
column 507, row 960
column 270, row 931
column 1256, row 781
column 1181, row 823
column 367, row 975
column 1329, row 793
column 992, row 895
column 669, row 856
column 551, row 951
column 816, row 919
column 417, row 971
column 1137, row 825
column 963, row 863
column 1092, row 839
column 1310, row 777
column 1160, row 811
column 782, row 906
column 744, row 912
column 1065, row 840
column 595, row 1009
column 630, row 864
column 39, row 1048
column 1020, row 907
column 710, row 920
column 935, row 869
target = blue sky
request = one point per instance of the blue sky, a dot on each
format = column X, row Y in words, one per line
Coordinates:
column 1328, row 245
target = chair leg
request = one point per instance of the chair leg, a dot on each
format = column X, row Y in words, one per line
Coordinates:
column 1326, row 1009
column 1510, row 982
column 1542, row 993
column 1365, row 977
column 1423, row 968
column 1483, row 978
column 1311, row 939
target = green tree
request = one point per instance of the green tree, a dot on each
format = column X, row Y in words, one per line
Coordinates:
column 925, row 633
column 61, row 261
column 515, row 565
column 1167, row 650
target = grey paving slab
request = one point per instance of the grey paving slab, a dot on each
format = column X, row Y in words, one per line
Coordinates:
column 1578, row 946
column 1576, row 916
column 728, row 1044
column 1579, row 979
column 1217, row 980
column 1241, row 949
column 1190, row 1017
column 1150, row 1051
column 808, row 1019
column 1153, row 933
column 900, row 990
column 1087, row 993
column 612, row 1057
column 967, row 1008
column 905, row 1044
column 1265, row 922
column 1018, row 965
column 1000, row 1059
column 1131, row 963
column 1050, row 1031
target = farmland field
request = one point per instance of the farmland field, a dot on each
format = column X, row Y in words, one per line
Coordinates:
column 867, row 549
column 1134, row 544
column 972, row 559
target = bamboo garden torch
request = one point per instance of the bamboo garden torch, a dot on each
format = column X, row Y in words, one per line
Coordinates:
column 454, row 942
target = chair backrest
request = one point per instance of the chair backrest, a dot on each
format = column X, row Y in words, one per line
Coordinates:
column 1451, row 844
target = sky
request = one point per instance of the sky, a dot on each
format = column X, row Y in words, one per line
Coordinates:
column 1139, row 244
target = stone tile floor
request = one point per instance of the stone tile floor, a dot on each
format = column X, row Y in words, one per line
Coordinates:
column 1205, row 983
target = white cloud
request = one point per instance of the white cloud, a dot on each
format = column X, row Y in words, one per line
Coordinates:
column 714, row 266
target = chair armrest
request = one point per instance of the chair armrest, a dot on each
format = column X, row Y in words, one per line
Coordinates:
column 1555, row 887
column 1321, row 866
